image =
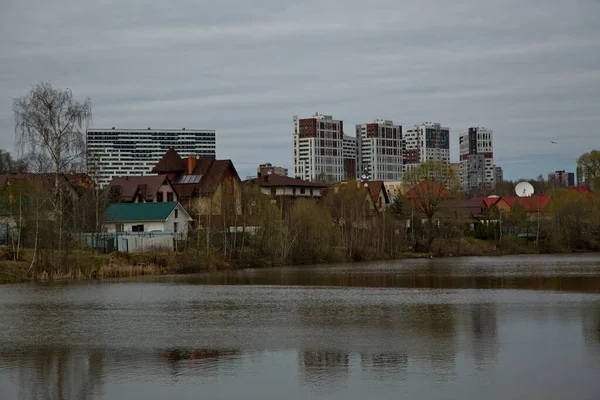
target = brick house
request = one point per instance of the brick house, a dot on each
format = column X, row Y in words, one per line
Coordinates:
column 209, row 189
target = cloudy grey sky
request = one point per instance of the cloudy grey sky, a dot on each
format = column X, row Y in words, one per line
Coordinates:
column 529, row 70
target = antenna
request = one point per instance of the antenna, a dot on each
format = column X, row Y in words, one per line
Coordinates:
column 524, row 189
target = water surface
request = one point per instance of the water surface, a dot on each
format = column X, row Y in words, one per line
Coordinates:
column 523, row 327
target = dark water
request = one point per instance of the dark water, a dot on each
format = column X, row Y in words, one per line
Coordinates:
column 470, row 328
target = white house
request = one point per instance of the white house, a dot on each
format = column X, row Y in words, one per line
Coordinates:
column 168, row 217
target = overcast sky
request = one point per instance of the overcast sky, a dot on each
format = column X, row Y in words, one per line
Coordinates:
column 529, row 70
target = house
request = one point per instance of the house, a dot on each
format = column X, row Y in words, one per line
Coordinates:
column 276, row 186
column 379, row 194
column 147, row 217
column 144, row 189
column 209, row 189
column 376, row 198
column 490, row 204
column 42, row 185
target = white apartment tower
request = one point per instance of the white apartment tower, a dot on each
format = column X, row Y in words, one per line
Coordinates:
column 319, row 148
column 477, row 160
column 117, row 152
column 380, row 150
column 428, row 141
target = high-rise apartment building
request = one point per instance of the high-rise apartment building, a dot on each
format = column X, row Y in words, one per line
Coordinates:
column 349, row 152
column 117, row 152
column 428, row 141
column 499, row 174
column 561, row 179
column 268, row 168
column 319, row 148
column 380, row 150
column 477, row 159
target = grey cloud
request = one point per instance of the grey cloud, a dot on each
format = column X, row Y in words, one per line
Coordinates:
column 528, row 70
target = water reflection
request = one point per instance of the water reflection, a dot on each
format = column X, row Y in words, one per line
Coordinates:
column 324, row 370
column 382, row 366
column 55, row 373
column 168, row 337
column 561, row 274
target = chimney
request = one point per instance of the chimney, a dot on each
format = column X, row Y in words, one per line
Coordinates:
column 191, row 165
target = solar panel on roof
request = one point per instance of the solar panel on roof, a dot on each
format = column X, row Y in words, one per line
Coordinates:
column 187, row 179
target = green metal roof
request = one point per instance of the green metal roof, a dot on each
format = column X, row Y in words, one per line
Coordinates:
column 125, row 212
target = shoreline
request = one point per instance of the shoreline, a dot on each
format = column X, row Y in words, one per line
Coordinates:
column 96, row 266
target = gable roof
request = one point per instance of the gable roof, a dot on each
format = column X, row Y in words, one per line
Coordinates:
column 488, row 201
column 127, row 212
column 530, row 204
column 274, row 180
column 170, row 162
column 376, row 187
column 130, row 186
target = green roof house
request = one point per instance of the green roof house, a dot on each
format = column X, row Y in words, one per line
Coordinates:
column 147, row 217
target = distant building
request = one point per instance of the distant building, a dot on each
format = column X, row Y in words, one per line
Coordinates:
column 582, row 177
column 268, row 168
column 561, row 179
column 426, row 142
column 455, row 168
column 477, row 159
column 499, row 174
column 118, row 152
column 380, row 150
column 350, row 154
column 318, row 148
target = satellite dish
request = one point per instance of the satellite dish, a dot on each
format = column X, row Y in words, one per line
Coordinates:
column 524, row 189
column 363, row 176
column 493, row 196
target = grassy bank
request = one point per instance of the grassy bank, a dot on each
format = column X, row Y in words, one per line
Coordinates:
column 85, row 265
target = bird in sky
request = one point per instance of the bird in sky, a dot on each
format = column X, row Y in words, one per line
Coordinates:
column 552, row 141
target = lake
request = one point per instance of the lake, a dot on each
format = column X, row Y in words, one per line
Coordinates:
column 517, row 327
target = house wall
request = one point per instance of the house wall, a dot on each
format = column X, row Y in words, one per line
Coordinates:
column 164, row 189
column 162, row 226
column 291, row 191
column 230, row 189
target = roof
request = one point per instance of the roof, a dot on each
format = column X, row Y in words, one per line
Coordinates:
column 488, row 201
column 170, row 162
column 126, row 212
column 130, row 186
column 376, row 187
column 530, row 204
column 580, row 189
column 427, row 187
column 274, row 180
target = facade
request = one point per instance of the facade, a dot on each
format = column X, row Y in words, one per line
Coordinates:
column 143, row 189
column 268, row 168
column 117, row 152
column 582, row 177
column 428, row 141
column 499, row 174
column 477, row 160
column 395, row 189
column 350, row 154
column 561, row 179
column 276, row 186
column 380, row 150
column 147, row 217
column 318, row 148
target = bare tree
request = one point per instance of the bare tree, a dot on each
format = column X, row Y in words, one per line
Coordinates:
column 49, row 123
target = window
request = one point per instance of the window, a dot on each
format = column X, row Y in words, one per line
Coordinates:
column 176, row 213
column 175, row 226
column 137, row 228
column 159, row 197
column 302, row 191
column 170, row 197
column 273, row 192
column 119, row 228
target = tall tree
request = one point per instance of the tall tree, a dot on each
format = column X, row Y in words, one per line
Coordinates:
column 10, row 165
column 588, row 168
column 430, row 184
column 49, row 122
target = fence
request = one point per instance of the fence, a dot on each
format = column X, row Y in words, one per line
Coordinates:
column 128, row 242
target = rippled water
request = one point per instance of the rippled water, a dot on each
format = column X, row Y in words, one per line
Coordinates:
column 465, row 328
